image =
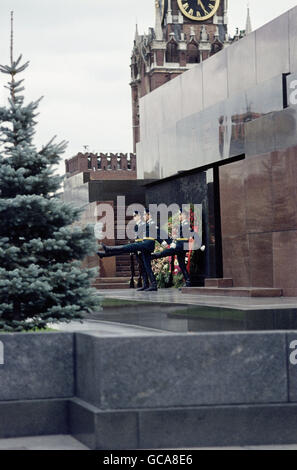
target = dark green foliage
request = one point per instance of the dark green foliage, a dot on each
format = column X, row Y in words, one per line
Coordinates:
column 41, row 278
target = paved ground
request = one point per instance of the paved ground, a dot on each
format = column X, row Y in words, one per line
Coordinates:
column 175, row 296
column 65, row 442
column 62, row 442
column 147, row 319
column 105, row 328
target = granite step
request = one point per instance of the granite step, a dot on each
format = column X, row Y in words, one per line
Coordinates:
column 122, row 268
column 119, row 282
column 221, row 282
column 234, row 291
column 112, row 285
column 108, row 280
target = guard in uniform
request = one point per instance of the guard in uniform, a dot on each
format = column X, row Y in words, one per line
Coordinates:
column 144, row 245
column 150, row 235
column 138, row 231
column 177, row 247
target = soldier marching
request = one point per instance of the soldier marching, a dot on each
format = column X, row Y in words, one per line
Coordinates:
column 146, row 234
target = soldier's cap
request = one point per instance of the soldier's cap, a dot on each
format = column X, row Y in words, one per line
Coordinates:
column 146, row 211
column 135, row 213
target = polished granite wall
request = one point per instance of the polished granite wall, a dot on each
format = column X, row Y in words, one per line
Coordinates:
column 240, row 102
column 198, row 118
column 259, row 206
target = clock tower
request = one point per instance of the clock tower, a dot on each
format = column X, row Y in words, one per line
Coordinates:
column 186, row 32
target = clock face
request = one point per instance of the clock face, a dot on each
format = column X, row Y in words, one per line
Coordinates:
column 198, row 10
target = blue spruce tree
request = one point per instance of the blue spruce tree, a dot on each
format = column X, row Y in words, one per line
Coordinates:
column 41, row 278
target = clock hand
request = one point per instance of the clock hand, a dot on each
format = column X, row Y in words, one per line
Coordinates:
column 202, row 6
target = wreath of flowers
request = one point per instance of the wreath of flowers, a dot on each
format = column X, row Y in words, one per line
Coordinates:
column 167, row 271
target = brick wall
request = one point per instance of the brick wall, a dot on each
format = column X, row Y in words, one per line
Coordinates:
column 103, row 166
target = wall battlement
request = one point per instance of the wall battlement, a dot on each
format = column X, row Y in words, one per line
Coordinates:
column 103, row 165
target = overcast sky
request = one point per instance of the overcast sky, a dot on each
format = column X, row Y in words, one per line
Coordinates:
column 79, row 52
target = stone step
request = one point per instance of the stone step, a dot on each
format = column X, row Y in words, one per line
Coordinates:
column 119, row 282
column 125, row 264
column 108, row 280
column 119, row 286
column 124, row 260
column 120, row 268
column 234, row 291
column 222, row 282
column 123, row 267
column 113, row 284
column 125, row 273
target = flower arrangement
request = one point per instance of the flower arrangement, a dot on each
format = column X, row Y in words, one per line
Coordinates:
column 167, row 271
column 161, row 269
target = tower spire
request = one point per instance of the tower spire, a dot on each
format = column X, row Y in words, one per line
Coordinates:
column 158, row 25
column 11, row 37
column 136, row 33
column 248, row 27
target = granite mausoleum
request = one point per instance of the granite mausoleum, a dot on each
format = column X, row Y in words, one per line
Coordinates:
column 233, row 119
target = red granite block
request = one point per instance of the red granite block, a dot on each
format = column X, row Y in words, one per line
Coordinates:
column 261, row 260
column 284, row 186
column 285, row 260
column 258, row 193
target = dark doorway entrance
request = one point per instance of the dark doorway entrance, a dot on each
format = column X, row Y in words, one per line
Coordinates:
column 198, row 186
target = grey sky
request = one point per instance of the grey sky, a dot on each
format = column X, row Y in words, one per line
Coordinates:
column 79, row 51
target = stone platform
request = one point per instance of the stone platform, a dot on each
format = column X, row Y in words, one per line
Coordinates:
column 178, row 297
column 224, row 287
column 150, row 390
column 234, row 291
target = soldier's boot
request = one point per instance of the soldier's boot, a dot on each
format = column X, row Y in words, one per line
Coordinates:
column 145, row 280
column 187, row 278
column 114, row 250
column 184, row 271
column 154, row 285
column 153, row 288
column 110, row 251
